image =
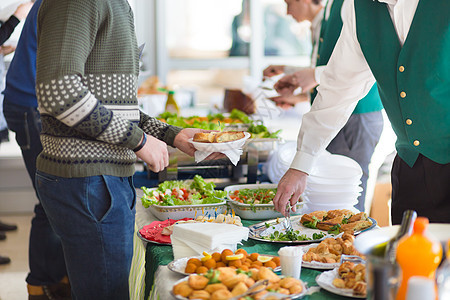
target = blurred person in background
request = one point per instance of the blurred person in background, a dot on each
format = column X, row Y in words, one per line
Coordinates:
column 403, row 46
column 6, row 29
column 360, row 135
column 47, row 278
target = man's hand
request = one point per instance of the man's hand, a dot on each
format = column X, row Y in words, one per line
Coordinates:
column 23, row 10
column 289, row 189
column 289, row 101
column 273, row 70
column 181, row 141
column 155, row 154
column 306, row 78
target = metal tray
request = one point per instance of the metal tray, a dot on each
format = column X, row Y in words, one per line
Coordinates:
column 257, row 231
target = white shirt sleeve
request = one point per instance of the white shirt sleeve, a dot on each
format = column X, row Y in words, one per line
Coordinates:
column 346, row 79
column 318, row 72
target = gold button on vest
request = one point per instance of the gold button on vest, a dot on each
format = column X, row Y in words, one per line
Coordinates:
column 403, row 94
column 408, row 121
column 416, row 143
column 401, row 68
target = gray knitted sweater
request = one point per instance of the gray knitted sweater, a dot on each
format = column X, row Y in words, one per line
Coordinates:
column 86, row 84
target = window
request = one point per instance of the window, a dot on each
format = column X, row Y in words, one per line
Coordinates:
column 210, row 45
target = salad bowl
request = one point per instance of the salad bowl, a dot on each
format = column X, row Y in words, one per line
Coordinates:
column 184, row 199
column 248, row 209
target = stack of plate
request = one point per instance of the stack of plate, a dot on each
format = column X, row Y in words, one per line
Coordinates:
column 334, row 183
column 280, row 160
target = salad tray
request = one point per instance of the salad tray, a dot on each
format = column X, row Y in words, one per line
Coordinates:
column 251, row 211
column 263, row 230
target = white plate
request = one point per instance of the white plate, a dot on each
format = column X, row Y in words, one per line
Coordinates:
column 179, row 265
column 256, row 211
column 333, row 189
column 310, row 207
column 336, row 166
column 219, row 147
column 325, row 281
column 331, row 198
column 315, row 264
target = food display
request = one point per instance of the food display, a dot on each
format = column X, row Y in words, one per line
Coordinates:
column 336, row 221
column 235, row 120
column 184, row 199
column 255, row 201
column 352, row 276
column 327, row 254
column 227, row 258
column 178, row 192
column 227, row 282
column 218, row 137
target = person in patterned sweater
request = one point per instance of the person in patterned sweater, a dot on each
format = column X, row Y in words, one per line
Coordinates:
column 92, row 132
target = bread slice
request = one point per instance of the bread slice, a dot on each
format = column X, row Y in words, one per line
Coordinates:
column 229, row 136
column 218, row 137
column 205, row 137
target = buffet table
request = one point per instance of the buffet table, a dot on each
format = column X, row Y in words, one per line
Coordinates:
column 159, row 279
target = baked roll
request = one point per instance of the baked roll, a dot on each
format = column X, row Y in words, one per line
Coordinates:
column 218, row 137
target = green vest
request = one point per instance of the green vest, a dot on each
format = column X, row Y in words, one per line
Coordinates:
column 413, row 80
column 329, row 34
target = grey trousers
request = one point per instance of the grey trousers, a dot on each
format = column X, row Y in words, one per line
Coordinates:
column 357, row 140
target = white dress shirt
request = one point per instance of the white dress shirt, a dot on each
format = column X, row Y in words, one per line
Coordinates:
column 346, row 79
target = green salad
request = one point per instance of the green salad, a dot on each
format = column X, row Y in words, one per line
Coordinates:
column 177, row 192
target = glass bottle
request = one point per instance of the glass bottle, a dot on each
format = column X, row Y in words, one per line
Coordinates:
column 171, row 103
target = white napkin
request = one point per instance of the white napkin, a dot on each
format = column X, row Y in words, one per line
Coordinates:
column 191, row 239
column 232, row 150
column 233, row 154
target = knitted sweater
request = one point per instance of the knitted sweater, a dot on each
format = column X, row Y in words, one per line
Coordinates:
column 86, row 85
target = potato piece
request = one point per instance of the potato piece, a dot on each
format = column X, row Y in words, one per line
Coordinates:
column 183, row 289
column 239, row 289
column 221, row 295
column 211, row 288
column 200, row 294
column 197, row 282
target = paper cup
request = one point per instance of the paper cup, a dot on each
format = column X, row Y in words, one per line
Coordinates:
column 291, row 261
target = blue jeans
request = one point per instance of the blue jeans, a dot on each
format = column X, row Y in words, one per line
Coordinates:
column 45, row 254
column 94, row 216
column 357, row 140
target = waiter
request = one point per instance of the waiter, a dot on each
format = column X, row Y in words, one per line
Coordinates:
column 359, row 137
column 405, row 46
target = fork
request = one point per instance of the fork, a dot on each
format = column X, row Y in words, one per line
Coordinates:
column 287, row 219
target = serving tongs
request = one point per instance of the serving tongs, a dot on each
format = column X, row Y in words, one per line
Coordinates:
column 287, row 220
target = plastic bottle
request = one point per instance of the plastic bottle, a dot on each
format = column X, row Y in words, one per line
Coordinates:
column 171, row 103
column 443, row 277
column 417, row 255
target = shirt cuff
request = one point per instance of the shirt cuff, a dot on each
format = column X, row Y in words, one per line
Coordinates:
column 318, row 72
column 303, row 162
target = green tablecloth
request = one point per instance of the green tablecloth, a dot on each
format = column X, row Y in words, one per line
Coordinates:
column 157, row 255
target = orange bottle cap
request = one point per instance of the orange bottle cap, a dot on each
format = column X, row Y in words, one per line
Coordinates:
column 420, row 225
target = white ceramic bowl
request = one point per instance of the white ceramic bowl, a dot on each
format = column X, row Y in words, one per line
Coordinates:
column 257, row 211
column 187, row 211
